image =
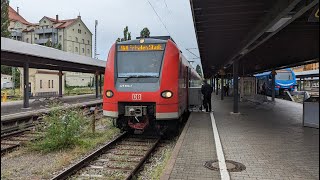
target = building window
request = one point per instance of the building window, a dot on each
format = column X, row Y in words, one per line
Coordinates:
column 35, row 38
column 44, row 21
column 82, row 50
column 82, row 41
column 88, row 42
column 60, row 37
column 79, row 24
column 40, row 84
column 88, row 51
column 76, row 49
column 27, row 40
column 85, row 32
column 72, row 29
column 79, row 31
column 76, row 39
column 49, row 84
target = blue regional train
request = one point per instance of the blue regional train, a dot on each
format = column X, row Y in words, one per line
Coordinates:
column 285, row 81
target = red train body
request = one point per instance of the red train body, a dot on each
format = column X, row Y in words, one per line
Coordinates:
column 146, row 84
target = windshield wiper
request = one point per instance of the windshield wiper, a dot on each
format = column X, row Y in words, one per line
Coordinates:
column 136, row 76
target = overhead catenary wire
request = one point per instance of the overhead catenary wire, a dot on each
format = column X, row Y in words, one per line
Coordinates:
column 159, row 18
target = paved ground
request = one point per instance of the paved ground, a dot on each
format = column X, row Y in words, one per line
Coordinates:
column 197, row 147
column 16, row 106
column 268, row 139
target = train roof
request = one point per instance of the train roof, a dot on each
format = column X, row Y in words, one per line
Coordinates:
column 146, row 41
column 158, row 37
column 269, row 72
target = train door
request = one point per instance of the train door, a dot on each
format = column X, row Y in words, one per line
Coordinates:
column 187, row 85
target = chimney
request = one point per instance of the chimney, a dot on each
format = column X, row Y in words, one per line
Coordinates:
column 18, row 10
column 57, row 18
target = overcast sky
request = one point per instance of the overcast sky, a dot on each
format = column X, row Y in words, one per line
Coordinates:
column 114, row 15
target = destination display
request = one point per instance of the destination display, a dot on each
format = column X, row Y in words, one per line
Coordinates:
column 142, row 47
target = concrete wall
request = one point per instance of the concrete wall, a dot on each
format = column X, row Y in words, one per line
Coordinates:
column 78, row 79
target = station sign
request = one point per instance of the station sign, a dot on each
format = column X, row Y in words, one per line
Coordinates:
column 143, row 47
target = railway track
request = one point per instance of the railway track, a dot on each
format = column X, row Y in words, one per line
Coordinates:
column 15, row 139
column 119, row 159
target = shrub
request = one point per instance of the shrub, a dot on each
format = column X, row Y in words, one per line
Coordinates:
column 63, row 129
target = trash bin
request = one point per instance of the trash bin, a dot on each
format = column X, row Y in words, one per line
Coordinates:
column 311, row 112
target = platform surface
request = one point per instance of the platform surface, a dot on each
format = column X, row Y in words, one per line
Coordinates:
column 268, row 138
column 14, row 108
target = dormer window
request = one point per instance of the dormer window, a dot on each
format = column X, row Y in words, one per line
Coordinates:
column 44, row 21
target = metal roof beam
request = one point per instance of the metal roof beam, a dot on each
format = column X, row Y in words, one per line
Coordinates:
column 279, row 11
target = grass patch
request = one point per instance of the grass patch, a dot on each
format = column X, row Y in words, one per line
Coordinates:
column 63, row 129
column 68, row 128
column 159, row 167
column 72, row 91
column 158, row 163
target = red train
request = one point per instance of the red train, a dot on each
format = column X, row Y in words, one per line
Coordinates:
column 146, row 84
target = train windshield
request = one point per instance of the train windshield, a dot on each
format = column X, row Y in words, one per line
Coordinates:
column 284, row 75
column 139, row 64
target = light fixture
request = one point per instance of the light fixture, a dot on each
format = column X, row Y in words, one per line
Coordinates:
column 278, row 24
column 244, row 51
column 141, row 41
column 109, row 94
column 166, row 94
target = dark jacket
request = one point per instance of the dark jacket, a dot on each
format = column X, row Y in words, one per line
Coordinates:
column 206, row 90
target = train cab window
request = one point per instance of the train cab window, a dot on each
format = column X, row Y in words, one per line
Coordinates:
column 145, row 64
column 284, row 75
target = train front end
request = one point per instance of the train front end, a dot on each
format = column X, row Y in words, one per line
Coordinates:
column 141, row 84
column 285, row 81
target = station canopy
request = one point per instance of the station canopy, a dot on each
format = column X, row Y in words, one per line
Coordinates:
column 260, row 34
column 16, row 53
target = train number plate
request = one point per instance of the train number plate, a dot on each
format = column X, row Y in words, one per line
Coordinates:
column 136, row 97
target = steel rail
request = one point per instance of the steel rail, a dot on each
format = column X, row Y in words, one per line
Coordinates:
column 76, row 167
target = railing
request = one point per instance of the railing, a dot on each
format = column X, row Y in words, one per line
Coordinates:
column 41, row 41
column 16, row 34
column 45, row 31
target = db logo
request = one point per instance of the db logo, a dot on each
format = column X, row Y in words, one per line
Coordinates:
column 136, row 97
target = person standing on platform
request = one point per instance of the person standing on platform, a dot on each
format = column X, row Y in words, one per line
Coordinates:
column 206, row 90
column 227, row 90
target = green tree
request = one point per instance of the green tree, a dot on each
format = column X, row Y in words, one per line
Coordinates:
column 198, row 69
column 126, row 35
column 5, row 18
column 145, row 33
column 56, row 46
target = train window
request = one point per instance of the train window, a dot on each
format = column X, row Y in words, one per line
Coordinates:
column 142, row 63
column 284, row 75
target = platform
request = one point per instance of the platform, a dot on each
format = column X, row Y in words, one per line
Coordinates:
column 14, row 108
column 267, row 138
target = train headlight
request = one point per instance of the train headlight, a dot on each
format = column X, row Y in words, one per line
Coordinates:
column 166, row 94
column 109, row 94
